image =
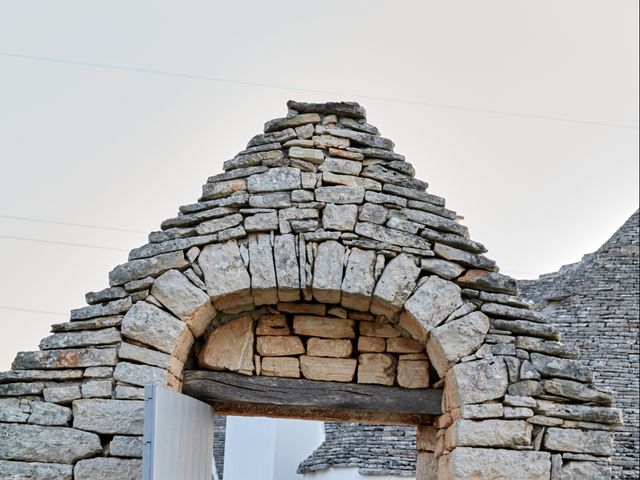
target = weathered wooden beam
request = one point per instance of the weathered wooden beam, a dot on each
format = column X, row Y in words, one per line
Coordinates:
column 235, row 394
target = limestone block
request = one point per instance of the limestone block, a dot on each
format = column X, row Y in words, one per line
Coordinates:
column 378, row 329
column 291, row 122
column 34, row 443
column 488, row 433
column 136, row 374
column 340, row 165
column 122, row 417
column 340, row 194
column 475, row 382
column 329, row 178
column 124, row 392
column 488, row 281
column 579, row 441
column 280, row 367
column 339, row 217
column 14, row 410
column 395, row 285
column 377, row 368
column 81, row 339
column 371, row 344
column 270, row 200
column 101, row 468
column 547, row 347
column 517, row 413
column 261, row 266
column 213, row 191
column 97, row 389
column 527, row 388
column 429, row 306
column 413, row 373
column 218, row 224
column 464, row 258
column 494, row 464
column 322, row 347
column 65, row 358
column 318, row 309
column 45, row 413
column 272, row 325
column 227, row 279
column 230, row 347
column 21, row 388
column 62, row 394
column 481, row 411
column 328, row 369
column 184, row 300
column 150, row 357
column 143, row 267
column 442, row 268
column 367, row 139
column 561, row 368
column 576, row 391
column 274, row 179
column 147, row 324
column 324, row 327
column 286, row 266
column 41, row 471
column 359, row 280
column 454, row 340
column 585, row 471
column 308, row 154
column 391, row 236
column 279, row 346
column 327, row 272
column 581, row 413
column 403, row 345
column 125, row 446
column 101, row 310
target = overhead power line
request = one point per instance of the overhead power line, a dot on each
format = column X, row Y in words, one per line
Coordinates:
column 66, row 244
column 31, row 310
column 311, row 90
column 70, row 224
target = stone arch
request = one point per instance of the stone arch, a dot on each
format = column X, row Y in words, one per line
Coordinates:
column 318, row 209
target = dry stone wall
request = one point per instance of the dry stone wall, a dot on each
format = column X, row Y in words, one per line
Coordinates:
column 318, row 209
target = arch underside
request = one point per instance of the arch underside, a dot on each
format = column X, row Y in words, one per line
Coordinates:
column 318, row 212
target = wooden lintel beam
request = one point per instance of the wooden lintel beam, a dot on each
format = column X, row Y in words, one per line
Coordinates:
column 235, row 394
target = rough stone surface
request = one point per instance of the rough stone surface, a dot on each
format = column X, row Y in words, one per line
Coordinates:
column 144, row 267
column 328, row 268
column 122, row 417
column 101, row 468
column 494, row 464
column 328, row 369
column 228, row 282
column 579, row 441
column 230, row 347
column 395, row 285
column 41, row 471
column 476, row 382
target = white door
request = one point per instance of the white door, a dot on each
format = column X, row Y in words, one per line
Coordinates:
column 178, row 436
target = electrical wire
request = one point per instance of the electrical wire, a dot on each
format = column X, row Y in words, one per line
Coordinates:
column 69, row 224
column 67, row 244
column 31, row 310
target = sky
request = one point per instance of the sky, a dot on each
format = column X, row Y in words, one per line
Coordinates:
column 524, row 115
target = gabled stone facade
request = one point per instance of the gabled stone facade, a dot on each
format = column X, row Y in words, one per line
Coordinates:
column 318, row 210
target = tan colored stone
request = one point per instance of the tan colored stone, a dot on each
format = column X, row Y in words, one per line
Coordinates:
column 303, row 308
column 279, row 346
column 413, row 374
column 371, row 344
column 413, row 356
column 378, row 329
column 325, row 327
column 328, row 369
column 281, row 367
column 378, row 368
column 257, row 363
column 403, row 345
column 230, row 347
column 272, row 325
column 322, row 347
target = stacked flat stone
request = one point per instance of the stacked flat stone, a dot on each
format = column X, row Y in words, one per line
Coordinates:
column 318, row 209
column 594, row 303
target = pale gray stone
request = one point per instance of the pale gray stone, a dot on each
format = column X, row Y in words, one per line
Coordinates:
column 246, row 161
column 527, row 388
column 372, row 213
column 442, row 268
column 81, row 339
column 92, row 324
column 275, row 179
column 505, row 311
column 395, row 285
column 429, row 306
column 150, row 357
column 578, row 441
column 581, row 413
column 520, row 401
column 555, row 349
column 391, row 236
column 20, row 389
column 511, row 300
column 577, row 391
column 463, row 258
column 345, row 109
column 122, row 417
column 101, row 310
column 125, row 392
column 185, row 300
column 561, row 368
column 515, row 413
column 102, row 468
column 414, row 194
column 327, row 272
column 525, row 327
column 261, row 266
column 65, row 358
column 489, row 433
column 302, row 196
column 358, row 137
column 97, row 389
column 122, row 446
column 359, row 279
column 238, row 199
column 385, row 199
column 340, row 194
column 141, row 375
column 339, row 217
column 329, row 141
column 46, row 413
column 585, row 471
column 214, row 191
column 401, row 224
column 105, row 295
column 34, row 443
column 291, row 122
column 308, row 154
column 235, row 173
column 488, row 281
column 149, row 325
column 52, row 375
column 227, row 279
column 448, row 343
column 62, row 394
column 435, row 221
column 271, row 200
column 340, row 165
column 219, row 224
column 15, row 410
column 42, row 471
column 482, row 411
column 456, row 241
column 462, row 311
column 141, row 268
column 286, row 267
column 528, row 371
column 476, row 382
column 304, row 132
column 330, row 178
column 261, row 222
column 466, row 463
